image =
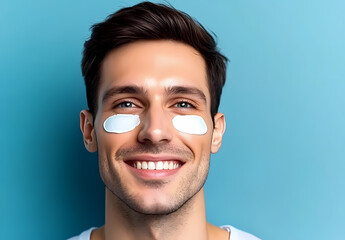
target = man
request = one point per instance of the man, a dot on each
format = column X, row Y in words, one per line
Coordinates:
column 153, row 79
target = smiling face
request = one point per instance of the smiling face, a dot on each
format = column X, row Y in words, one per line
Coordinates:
column 154, row 168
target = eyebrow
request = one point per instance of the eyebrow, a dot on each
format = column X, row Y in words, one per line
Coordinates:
column 124, row 89
column 186, row 90
column 132, row 89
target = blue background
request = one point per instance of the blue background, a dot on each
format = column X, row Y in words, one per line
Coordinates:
column 280, row 173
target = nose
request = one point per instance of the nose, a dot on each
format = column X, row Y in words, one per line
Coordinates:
column 155, row 127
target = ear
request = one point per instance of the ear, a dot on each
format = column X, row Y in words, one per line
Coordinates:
column 218, row 131
column 86, row 127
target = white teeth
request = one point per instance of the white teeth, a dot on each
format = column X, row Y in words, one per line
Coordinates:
column 144, row 165
column 151, row 166
column 159, row 165
column 166, row 165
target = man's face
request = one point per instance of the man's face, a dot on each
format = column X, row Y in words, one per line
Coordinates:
column 156, row 80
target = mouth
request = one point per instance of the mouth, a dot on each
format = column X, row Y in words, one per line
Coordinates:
column 155, row 165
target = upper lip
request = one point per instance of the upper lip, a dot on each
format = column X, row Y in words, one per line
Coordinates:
column 154, row 158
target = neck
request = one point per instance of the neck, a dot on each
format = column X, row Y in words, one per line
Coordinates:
column 122, row 223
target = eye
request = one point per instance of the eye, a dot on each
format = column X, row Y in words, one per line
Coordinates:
column 126, row 105
column 184, row 105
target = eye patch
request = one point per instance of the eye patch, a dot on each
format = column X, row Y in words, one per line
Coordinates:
column 122, row 123
column 191, row 124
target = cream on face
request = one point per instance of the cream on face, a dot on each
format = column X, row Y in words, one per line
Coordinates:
column 191, row 124
column 122, row 123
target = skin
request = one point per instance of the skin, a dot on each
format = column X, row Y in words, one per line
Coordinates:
column 146, row 78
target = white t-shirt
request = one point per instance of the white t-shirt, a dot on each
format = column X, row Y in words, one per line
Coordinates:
column 235, row 234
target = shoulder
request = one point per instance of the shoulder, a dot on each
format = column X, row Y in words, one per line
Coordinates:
column 236, row 234
column 83, row 236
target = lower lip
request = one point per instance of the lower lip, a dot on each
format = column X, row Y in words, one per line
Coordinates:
column 153, row 174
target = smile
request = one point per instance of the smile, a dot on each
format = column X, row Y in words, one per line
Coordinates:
column 154, row 166
column 160, row 165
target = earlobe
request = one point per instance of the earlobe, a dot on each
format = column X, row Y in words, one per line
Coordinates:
column 88, row 131
column 218, row 131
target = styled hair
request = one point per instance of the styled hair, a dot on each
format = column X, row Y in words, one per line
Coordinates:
column 149, row 21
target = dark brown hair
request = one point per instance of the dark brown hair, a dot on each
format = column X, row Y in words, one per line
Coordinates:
column 149, row 21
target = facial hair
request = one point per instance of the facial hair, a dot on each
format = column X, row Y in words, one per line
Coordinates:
column 190, row 184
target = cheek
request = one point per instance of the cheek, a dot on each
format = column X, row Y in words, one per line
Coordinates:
column 200, row 145
column 116, row 131
column 195, row 132
column 109, row 143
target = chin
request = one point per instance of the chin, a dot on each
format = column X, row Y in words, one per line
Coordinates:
column 155, row 208
column 157, row 204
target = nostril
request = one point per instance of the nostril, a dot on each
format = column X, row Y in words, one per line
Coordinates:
column 156, row 135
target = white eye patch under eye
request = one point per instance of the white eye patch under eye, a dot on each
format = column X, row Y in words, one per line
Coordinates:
column 121, row 123
column 191, row 124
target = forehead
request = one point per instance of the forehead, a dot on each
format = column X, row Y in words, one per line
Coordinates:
column 154, row 65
